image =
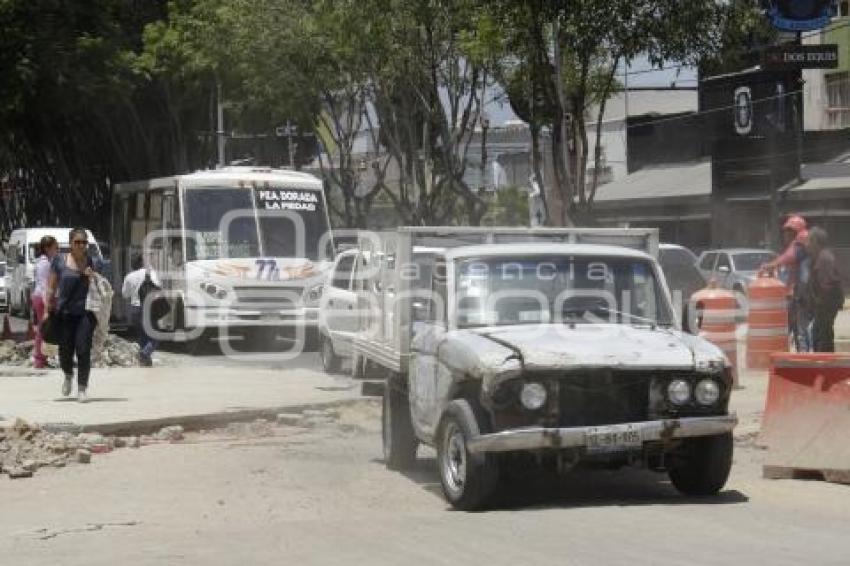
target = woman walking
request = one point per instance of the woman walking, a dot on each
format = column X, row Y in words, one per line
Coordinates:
column 48, row 248
column 70, row 278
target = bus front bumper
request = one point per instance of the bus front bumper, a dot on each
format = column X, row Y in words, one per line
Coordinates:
column 229, row 317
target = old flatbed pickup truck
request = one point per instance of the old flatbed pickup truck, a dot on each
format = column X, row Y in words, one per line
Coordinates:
column 553, row 346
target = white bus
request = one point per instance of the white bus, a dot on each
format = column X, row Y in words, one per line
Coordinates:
column 240, row 248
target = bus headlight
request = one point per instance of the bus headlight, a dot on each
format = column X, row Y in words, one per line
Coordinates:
column 216, row 291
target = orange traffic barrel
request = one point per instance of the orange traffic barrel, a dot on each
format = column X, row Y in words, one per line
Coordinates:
column 767, row 320
column 716, row 310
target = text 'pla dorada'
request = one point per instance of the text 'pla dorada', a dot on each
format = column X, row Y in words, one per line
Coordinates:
column 279, row 199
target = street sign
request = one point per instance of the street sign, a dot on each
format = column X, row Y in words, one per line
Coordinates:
column 743, row 110
column 789, row 57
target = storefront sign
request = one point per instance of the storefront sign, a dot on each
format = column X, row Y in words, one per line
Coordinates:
column 801, row 57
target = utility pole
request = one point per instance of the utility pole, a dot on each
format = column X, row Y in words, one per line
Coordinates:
column 485, row 124
column 289, row 145
column 220, row 125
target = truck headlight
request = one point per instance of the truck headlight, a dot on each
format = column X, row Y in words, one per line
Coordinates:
column 707, row 392
column 532, row 396
column 679, row 392
column 314, row 294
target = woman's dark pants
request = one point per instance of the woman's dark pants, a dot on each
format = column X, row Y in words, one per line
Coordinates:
column 77, row 332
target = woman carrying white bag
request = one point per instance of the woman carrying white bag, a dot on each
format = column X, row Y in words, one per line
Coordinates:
column 99, row 302
column 71, row 278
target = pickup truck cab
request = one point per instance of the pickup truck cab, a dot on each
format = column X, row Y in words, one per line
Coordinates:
column 571, row 353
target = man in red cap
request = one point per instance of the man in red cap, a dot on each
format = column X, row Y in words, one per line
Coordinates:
column 794, row 260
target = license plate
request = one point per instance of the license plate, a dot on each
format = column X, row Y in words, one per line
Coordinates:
column 271, row 316
column 614, row 438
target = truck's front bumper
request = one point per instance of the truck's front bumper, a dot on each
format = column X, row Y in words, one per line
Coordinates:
column 535, row 438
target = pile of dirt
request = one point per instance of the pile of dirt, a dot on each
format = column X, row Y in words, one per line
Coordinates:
column 117, row 352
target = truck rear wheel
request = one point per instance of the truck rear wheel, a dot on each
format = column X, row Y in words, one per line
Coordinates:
column 399, row 439
column 468, row 480
column 701, row 466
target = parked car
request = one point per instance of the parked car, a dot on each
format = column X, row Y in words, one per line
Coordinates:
column 337, row 306
column 733, row 268
column 683, row 278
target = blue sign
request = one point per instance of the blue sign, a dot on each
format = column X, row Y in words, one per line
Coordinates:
column 800, row 15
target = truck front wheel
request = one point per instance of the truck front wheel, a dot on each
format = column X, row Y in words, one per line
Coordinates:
column 701, row 466
column 468, row 480
column 397, row 433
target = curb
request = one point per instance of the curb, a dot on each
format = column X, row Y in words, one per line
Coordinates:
column 195, row 422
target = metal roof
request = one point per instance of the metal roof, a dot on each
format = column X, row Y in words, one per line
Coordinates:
column 684, row 180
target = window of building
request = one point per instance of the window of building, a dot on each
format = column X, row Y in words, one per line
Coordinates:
column 838, row 100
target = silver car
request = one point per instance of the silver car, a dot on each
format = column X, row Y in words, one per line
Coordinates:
column 733, row 268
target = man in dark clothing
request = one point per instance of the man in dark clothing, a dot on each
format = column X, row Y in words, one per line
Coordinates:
column 825, row 292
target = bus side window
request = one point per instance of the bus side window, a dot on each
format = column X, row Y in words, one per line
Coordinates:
column 170, row 218
column 12, row 255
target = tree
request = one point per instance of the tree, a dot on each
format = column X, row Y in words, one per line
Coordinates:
column 569, row 51
column 75, row 115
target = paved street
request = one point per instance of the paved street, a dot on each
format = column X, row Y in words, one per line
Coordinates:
column 323, row 496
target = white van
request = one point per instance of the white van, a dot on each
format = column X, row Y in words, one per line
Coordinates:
column 21, row 253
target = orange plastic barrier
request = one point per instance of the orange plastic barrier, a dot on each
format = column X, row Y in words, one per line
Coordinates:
column 767, row 321
column 716, row 321
column 807, row 416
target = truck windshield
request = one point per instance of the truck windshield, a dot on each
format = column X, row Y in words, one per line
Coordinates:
column 247, row 234
column 558, row 289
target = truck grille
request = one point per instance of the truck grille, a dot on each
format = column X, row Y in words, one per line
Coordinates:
column 603, row 397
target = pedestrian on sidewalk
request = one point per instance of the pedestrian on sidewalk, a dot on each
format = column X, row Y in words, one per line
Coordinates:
column 795, row 262
column 824, row 289
column 69, row 281
column 48, row 249
column 141, row 278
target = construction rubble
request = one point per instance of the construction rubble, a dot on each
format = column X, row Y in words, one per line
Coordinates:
column 116, row 352
column 26, row 447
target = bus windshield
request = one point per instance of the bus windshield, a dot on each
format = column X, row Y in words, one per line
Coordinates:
column 247, row 233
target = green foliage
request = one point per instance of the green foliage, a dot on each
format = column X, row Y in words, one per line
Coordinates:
column 96, row 92
column 508, row 207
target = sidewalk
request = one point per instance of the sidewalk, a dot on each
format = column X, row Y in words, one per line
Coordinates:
column 141, row 400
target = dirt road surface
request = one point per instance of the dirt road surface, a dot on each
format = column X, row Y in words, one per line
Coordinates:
column 321, row 495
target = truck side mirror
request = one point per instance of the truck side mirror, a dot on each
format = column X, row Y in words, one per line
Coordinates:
column 724, row 269
column 20, row 259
